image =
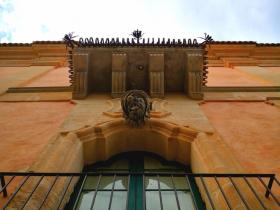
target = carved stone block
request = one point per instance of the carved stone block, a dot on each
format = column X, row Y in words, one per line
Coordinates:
column 156, row 62
column 119, row 65
column 156, row 75
column 119, row 62
column 80, row 63
column 194, row 75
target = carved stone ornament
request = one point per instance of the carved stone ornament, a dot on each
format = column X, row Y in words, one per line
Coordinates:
column 136, row 107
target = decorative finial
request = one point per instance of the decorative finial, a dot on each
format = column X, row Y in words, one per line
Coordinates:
column 69, row 39
column 207, row 38
column 137, row 35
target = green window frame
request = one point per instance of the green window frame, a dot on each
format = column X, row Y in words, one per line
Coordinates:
column 136, row 191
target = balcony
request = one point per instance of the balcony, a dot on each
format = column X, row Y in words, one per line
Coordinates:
column 219, row 191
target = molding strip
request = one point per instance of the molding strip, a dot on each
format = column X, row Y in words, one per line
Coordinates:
column 39, row 89
column 242, row 89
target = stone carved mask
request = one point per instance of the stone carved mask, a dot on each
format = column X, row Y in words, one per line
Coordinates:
column 136, row 107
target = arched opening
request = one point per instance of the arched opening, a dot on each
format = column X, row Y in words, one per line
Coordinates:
column 71, row 151
column 135, row 181
column 168, row 140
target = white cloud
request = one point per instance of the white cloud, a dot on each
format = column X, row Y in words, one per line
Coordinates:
column 5, row 31
column 32, row 20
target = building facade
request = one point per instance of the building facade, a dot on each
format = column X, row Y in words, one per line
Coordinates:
column 201, row 146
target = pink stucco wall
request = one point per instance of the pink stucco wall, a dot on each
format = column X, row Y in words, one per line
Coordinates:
column 6, row 72
column 273, row 69
column 54, row 77
column 25, row 128
column 222, row 76
column 251, row 130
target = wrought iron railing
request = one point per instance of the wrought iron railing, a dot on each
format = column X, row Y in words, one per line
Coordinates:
column 259, row 185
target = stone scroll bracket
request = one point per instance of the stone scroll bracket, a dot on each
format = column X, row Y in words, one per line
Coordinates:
column 81, row 66
column 119, row 66
column 194, row 76
column 156, row 75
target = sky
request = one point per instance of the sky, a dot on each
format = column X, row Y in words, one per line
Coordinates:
column 225, row 20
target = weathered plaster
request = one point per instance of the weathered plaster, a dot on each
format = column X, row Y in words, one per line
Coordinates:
column 55, row 77
column 25, row 130
column 89, row 135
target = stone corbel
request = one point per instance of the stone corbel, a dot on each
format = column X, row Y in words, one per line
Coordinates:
column 156, row 75
column 194, row 75
column 80, row 87
column 119, row 65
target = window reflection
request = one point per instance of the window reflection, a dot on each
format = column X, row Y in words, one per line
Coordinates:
column 152, row 200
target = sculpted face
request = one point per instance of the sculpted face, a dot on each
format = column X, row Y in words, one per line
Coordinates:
column 135, row 107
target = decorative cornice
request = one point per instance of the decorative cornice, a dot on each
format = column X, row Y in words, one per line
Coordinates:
column 233, row 42
column 244, row 43
column 155, row 44
column 39, row 89
column 268, row 44
column 242, row 89
column 15, row 44
column 130, row 42
column 30, row 44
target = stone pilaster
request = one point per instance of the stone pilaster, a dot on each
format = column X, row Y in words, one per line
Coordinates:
column 156, row 75
column 80, row 63
column 119, row 65
column 194, row 75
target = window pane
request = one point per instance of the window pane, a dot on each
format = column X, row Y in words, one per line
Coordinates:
column 102, row 200
column 91, row 182
column 169, row 200
column 121, row 183
column 85, row 200
column 185, row 200
column 106, row 182
column 152, row 163
column 181, row 182
column 165, row 182
column 119, row 200
column 152, row 200
column 120, row 164
column 151, row 182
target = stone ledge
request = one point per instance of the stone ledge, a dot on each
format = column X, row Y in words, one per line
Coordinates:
column 35, row 97
column 242, row 89
column 39, row 89
column 239, row 96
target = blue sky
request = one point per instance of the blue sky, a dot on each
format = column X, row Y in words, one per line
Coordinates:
column 225, row 20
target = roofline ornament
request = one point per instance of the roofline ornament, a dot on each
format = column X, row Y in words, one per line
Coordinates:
column 137, row 40
column 207, row 39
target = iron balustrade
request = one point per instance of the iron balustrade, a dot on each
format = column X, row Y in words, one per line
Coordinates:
column 7, row 178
